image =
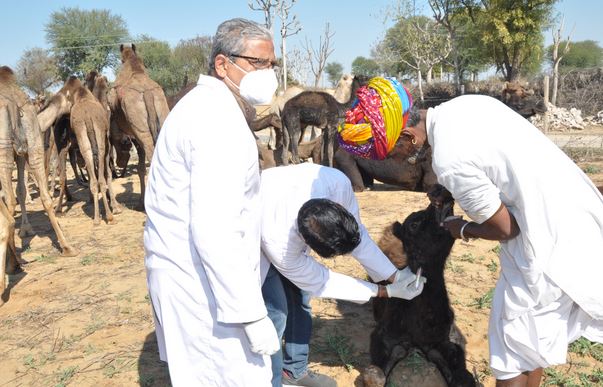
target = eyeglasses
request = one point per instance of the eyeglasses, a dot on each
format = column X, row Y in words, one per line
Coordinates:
column 258, row 63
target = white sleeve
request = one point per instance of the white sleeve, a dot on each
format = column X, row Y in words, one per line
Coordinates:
column 370, row 256
column 473, row 191
column 218, row 230
column 310, row 275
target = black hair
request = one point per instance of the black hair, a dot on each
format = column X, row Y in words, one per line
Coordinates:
column 414, row 116
column 328, row 228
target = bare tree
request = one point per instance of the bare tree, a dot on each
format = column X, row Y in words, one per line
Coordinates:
column 266, row 7
column 416, row 42
column 557, row 58
column 36, row 70
column 298, row 64
column 289, row 27
column 444, row 13
column 318, row 57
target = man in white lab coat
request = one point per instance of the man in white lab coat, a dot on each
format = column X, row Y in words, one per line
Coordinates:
column 519, row 188
column 305, row 207
column 202, row 246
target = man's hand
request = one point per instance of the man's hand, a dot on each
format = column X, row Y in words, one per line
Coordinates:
column 262, row 336
column 403, row 274
column 406, row 288
column 453, row 225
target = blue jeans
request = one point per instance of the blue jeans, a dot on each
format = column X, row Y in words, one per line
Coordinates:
column 289, row 309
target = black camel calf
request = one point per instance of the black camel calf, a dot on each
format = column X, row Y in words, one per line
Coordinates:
column 426, row 321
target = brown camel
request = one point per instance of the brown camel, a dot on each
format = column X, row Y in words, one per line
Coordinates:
column 319, row 109
column 89, row 121
column 20, row 134
column 139, row 107
column 118, row 140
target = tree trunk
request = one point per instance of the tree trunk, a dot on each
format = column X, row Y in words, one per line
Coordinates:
column 428, row 76
column 555, row 83
column 419, row 76
column 284, row 54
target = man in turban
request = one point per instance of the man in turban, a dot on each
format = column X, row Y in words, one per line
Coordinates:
column 544, row 210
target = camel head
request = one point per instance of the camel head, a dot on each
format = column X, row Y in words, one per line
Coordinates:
column 90, row 79
column 127, row 52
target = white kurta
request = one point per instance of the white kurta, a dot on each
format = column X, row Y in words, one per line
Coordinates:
column 202, row 241
column 484, row 154
column 283, row 191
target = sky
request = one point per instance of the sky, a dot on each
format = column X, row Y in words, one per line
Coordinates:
column 358, row 24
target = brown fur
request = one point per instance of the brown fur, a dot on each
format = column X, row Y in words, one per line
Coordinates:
column 27, row 132
column 7, row 75
column 139, row 108
column 90, row 123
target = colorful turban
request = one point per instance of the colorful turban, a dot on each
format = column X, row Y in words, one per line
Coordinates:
column 374, row 123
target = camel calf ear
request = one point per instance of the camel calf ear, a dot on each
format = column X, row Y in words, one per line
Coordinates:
column 133, row 47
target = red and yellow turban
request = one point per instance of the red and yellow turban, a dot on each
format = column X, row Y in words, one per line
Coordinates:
column 374, row 123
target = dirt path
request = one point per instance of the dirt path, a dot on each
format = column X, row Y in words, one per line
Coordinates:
column 86, row 321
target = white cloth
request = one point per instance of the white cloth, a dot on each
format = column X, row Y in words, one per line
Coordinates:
column 202, row 241
column 485, row 154
column 283, row 191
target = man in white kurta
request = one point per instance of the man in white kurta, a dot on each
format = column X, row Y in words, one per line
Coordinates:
column 550, row 291
column 202, row 240
column 202, row 230
column 284, row 190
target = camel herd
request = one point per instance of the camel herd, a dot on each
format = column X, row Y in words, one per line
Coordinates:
column 87, row 120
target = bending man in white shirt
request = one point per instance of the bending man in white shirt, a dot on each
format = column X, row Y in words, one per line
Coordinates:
column 305, row 207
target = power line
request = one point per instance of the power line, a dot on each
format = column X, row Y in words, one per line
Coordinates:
column 65, row 37
column 102, row 45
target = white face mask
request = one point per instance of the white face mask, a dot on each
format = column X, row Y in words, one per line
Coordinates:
column 257, row 87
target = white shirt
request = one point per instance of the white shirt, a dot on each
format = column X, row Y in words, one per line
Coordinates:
column 283, row 191
column 202, row 241
column 485, row 154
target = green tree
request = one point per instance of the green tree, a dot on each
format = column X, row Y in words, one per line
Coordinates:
column 158, row 59
column 365, row 66
column 36, row 70
column 583, row 54
column 512, row 32
column 334, row 72
column 192, row 56
column 85, row 40
column 467, row 53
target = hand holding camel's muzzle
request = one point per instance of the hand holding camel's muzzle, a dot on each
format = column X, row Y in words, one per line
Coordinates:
column 406, row 288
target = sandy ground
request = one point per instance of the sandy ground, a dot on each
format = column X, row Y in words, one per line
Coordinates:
column 87, row 321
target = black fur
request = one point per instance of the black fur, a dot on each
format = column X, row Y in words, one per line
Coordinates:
column 424, row 322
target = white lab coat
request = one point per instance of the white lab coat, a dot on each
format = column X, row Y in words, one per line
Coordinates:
column 283, row 191
column 485, row 154
column 202, row 241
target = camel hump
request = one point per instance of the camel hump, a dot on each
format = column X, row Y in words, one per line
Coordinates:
column 7, row 75
column 152, row 117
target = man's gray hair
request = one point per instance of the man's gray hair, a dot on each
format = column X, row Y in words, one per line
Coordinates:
column 232, row 36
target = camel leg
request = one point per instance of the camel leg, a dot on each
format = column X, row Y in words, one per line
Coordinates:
column 102, row 164
column 36, row 160
column 25, row 229
column 86, row 151
column 141, row 174
column 117, row 209
column 62, row 169
column 48, row 153
column 4, row 235
column 328, row 138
